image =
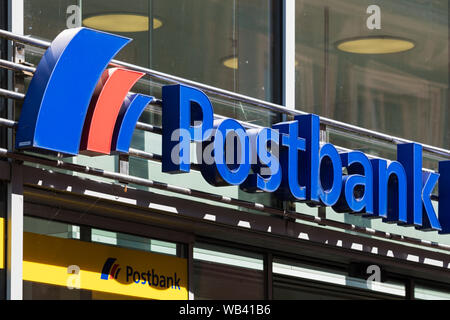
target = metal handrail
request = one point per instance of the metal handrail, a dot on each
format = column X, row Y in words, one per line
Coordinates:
column 12, row 94
column 156, row 157
column 235, row 96
column 186, row 191
column 16, row 66
column 139, row 125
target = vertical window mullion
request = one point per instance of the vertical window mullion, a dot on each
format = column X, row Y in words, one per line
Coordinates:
column 268, row 276
column 288, row 54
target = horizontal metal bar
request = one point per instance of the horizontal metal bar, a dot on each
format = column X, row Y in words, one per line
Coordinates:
column 7, row 123
column 16, row 66
column 11, row 94
column 144, row 155
column 24, row 39
column 235, row 96
column 148, row 127
column 155, row 157
column 215, row 197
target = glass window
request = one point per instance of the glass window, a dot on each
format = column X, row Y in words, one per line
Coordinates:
column 227, row 44
column 51, row 228
column 294, row 280
column 382, row 65
column 133, row 242
column 231, row 257
column 69, row 231
column 425, row 292
column 46, row 291
column 221, row 273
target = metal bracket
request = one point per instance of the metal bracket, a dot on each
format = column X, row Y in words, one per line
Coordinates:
column 323, row 135
column 19, row 53
column 124, row 167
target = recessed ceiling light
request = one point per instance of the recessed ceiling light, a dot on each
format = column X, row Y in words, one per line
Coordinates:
column 120, row 22
column 231, row 62
column 375, row 45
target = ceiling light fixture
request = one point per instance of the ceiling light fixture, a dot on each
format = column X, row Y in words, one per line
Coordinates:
column 375, row 45
column 231, row 62
column 120, row 22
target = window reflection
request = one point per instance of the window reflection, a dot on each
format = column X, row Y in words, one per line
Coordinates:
column 402, row 93
column 219, row 271
column 426, row 292
column 294, row 280
column 227, row 44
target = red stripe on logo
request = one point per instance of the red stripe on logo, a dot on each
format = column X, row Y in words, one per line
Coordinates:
column 104, row 109
column 113, row 270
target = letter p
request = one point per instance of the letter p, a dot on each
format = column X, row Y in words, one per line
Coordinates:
column 183, row 108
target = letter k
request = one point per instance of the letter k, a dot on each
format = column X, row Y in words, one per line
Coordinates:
column 429, row 219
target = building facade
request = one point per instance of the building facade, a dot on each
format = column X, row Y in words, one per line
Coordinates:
column 119, row 225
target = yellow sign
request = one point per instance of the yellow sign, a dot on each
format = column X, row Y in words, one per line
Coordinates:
column 2, row 243
column 97, row 267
